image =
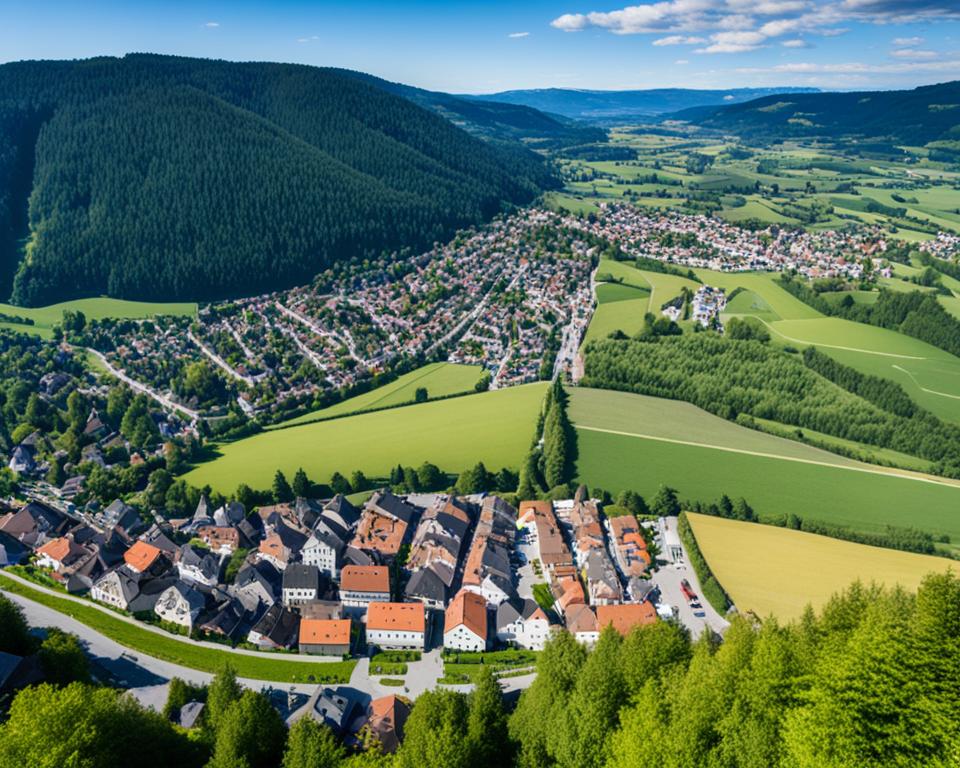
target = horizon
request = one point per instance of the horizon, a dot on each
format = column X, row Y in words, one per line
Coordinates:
column 482, row 48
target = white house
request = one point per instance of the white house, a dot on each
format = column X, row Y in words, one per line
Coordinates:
column 522, row 623
column 361, row 585
column 179, row 604
column 115, row 588
column 465, row 623
column 396, row 625
column 323, row 550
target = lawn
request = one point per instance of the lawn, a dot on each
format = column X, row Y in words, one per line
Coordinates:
column 621, row 272
column 778, row 571
column 493, row 427
column 610, row 292
column 665, row 287
column 271, row 667
column 463, row 667
column 749, row 303
column 439, row 379
column 45, row 318
column 625, row 315
column 763, row 285
column 785, row 481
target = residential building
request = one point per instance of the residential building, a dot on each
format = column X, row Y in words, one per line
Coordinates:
column 198, row 566
column 465, row 622
column 625, row 617
column 277, row 628
column 325, row 637
column 300, row 584
column 396, row 625
column 257, row 586
column 386, row 718
column 361, row 585
column 222, row 539
column 145, row 558
column 629, row 546
column 581, row 622
column 180, row 604
column 324, row 549
column 117, row 588
column 522, row 623
column 384, row 526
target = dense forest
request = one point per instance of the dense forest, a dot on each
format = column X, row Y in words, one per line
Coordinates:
column 729, row 377
column 154, row 177
column 912, row 117
column 868, row 681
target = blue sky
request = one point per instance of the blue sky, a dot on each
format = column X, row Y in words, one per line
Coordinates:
column 488, row 46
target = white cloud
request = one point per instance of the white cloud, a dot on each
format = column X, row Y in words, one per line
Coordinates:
column 734, row 42
column 795, row 43
column 857, row 67
column 308, row 39
column 680, row 40
column 570, row 22
column 212, row 24
column 907, row 42
column 914, row 54
column 516, row 35
column 681, row 62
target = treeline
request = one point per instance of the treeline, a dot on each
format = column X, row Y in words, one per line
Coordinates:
column 712, row 590
column 550, row 462
column 204, row 179
column 914, row 313
column 730, row 377
column 883, row 393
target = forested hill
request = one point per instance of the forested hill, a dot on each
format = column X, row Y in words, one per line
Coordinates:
column 927, row 114
column 154, row 177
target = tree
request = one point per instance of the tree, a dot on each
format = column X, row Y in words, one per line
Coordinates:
column 411, row 482
column 340, row 484
column 55, row 475
column 634, row 502
column 250, row 734
column 312, row 745
column 421, row 395
column 282, row 492
column 15, row 634
column 63, row 659
column 434, row 732
column 224, row 690
column 302, row 487
column 665, row 503
column 180, row 693
column 430, row 477
column 487, row 733
column 474, row 480
column 358, row 481
column 529, row 486
column 88, row 727
column 8, row 482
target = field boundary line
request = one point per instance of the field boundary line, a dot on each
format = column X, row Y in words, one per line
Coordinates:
column 782, row 335
column 924, row 389
column 894, row 473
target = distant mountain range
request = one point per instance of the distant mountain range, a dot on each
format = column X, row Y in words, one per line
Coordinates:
column 159, row 177
column 605, row 106
column 917, row 117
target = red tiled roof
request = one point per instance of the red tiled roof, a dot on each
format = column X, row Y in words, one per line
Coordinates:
column 398, row 617
column 325, row 632
column 469, row 609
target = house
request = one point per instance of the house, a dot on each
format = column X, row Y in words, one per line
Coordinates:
column 277, row 628
column 229, row 514
column 34, row 523
column 150, row 592
column 300, row 584
column 198, row 566
column 551, row 548
column 629, row 546
column 145, row 558
column 386, row 718
column 156, row 537
column 12, row 552
column 325, row 637
column 282, row 545
column 189, row 715
column 179, row 604
column 361, row 585
column 222, row 539
column 465, row 622
column 522, row 623
column 427, row 586
column 396, row 625
column 120, row 515
column 23, row 460
column 257, row 586
column 341, row 513
column 582, row 624
column 94, row 427
column 625, row 617
column 17, row 672
column 603, row 583
column 72, row 487
column 324, row 549
column 331, row 708
column 225, row 619
column 60, row 554
column 384, row 526
column 117, row 588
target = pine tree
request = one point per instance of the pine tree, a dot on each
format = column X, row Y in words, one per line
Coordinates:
column 282, row 492
column 302, row 487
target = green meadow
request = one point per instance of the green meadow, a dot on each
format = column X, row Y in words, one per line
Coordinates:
column 439, row 379
column 45, row 318
column 852, row 494
column 493, row 427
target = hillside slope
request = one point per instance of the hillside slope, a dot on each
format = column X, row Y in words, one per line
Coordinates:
column 154, row 177
column 600, row 105
column 916, row 117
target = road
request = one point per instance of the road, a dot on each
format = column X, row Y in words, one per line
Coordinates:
column 219, row 361
column 165, row 401
column 668, row 579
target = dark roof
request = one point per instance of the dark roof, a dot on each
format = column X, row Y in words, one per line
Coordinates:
column 328, row 537
column 150, row 591
column 332, row 708
column 208, row 564
column 307, row 511
column 160, row 540
column 46, row 518
column 386, row 502
column 300, row 576
column 279, row 625
column 340, row 507
column 190, row 713
column 426, row 585
column 225, row 620
column 120, row 514
column 354, row 556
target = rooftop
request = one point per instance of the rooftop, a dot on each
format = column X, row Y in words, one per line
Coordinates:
column 324, row 632
column 398, row 617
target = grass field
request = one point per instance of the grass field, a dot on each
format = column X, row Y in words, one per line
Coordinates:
column 610, row 292
column 45, row 318
column 266, row 667
column 621, row 272
column 439, row 379
column 777, row 571
column 493, row 427
column 625, row 315
column 650, row 442
column 665, row 287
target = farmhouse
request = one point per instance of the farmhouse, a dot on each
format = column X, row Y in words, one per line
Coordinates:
column 326, row 637
column 396, row 625
column 465, row 623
